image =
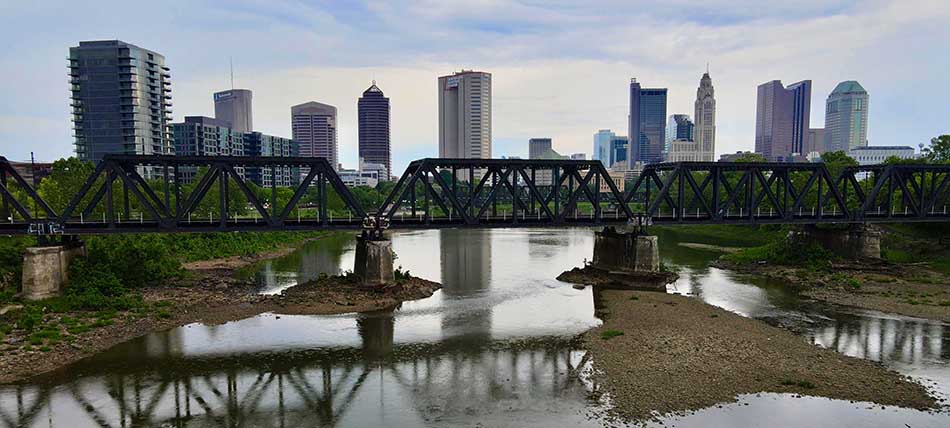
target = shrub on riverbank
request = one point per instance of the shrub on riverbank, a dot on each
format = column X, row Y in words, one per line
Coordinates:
column 784, row 251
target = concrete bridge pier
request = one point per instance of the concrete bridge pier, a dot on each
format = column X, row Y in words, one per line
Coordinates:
column 45, row 268
column 374, row 259
column 631, row 251
column 858, row 241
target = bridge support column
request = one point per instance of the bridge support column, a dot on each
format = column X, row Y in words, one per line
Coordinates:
column 626, row 251
column 45, row 269
column 858, row 241
column 374, row 259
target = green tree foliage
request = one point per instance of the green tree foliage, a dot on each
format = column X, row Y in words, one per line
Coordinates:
column 64, row 182
column 939, row 149
column 835, row 162
column 750, row 157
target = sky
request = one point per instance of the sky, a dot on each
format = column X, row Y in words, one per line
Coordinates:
column 560, row 69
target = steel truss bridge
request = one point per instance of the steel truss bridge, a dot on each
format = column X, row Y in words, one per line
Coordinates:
column 142, row 194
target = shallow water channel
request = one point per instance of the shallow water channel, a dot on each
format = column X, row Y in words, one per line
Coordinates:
column 492, row 348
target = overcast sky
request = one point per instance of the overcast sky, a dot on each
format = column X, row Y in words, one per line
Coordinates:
column 560, row 69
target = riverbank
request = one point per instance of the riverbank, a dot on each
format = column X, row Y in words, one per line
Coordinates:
column 209, row 293
column 659, row 354
column 901, row 288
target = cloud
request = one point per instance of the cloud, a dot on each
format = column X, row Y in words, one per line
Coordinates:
column 560, row 69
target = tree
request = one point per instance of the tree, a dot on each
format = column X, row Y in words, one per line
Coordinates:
column 750, row 157
column 939, row 150
column 837, row 161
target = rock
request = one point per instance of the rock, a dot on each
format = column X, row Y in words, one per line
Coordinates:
column 10, row 308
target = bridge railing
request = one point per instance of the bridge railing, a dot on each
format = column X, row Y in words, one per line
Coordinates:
column 127, row 193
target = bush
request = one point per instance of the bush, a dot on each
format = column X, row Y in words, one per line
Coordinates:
column 610, row 334
column 785, row 251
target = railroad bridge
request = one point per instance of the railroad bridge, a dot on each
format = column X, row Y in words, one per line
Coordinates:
column 170, row 194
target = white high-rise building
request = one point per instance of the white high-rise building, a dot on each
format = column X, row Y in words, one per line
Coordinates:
column 704, row 128
column 846, row 117
column 465, row 115
column 314, row 129
column 602, row 141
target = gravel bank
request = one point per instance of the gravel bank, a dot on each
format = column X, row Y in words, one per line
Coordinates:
column 672, row 354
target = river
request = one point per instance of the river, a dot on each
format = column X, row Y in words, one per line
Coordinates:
column 492, row 348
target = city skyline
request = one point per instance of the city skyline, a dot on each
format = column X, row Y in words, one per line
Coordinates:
column 743, row 49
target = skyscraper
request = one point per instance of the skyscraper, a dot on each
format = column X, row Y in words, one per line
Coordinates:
column 647, row 124
column 537, row 146
column 465, row 115
column 374, row 144
column 619, row 148
column 846, row 117
column 705, row 117
column 679, row 127
column 602, row 146
column 234, row 106
column 121, row 95
column 782, row 119
column 313, row 126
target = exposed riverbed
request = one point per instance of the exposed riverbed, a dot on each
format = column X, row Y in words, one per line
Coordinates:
column 494, row 346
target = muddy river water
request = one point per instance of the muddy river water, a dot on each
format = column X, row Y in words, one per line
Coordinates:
column 492, row 348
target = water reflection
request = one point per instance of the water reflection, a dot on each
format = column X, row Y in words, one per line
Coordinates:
column 491, row 347
column 532, row 383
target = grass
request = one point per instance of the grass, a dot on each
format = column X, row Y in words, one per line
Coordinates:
column 800, row 383
column 610, row 334
column 723, row 235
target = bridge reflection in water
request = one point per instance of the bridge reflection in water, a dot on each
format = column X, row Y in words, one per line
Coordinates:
column 432, row 384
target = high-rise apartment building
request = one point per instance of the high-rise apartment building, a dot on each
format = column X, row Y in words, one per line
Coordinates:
column 205, row 136
column 782, row 119
column 374, row 144
column 465, row 115
column 313, row 126
column 705, row 119
column 846, row 117
column 121, row 100
column 263, row 145
column 537, row 146
column 602, row 146
column 234, row 106
column 647, row 124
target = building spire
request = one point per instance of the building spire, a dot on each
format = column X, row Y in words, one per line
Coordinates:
column 707, row 67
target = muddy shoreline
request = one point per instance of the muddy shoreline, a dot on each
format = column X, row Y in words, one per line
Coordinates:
column 209, row 294
column 904, row 289
column 661, row 354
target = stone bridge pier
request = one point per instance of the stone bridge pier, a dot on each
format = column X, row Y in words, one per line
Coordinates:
column 374, row 259
column 857, row 241
column 46, row 268
column 626, row 251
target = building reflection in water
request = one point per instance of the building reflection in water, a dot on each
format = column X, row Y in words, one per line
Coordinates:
column 465, row 257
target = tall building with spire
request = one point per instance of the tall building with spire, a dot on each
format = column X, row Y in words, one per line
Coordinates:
column 846, row 117
column 374, row 144
column 234, row 107
column 704, row 131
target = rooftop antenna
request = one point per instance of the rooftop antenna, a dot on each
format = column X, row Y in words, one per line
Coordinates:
column 707, row 67
column 231, row 59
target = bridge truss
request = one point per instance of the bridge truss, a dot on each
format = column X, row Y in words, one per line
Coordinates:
column 140, row 194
